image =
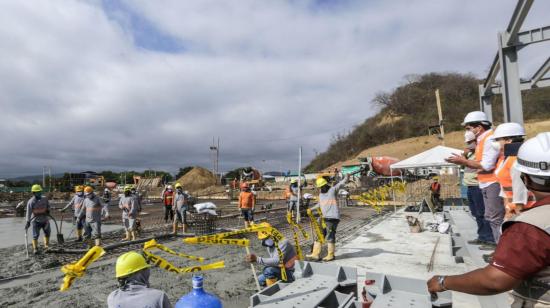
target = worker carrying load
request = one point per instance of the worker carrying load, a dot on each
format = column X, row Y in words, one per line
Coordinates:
column 331, row 213
column 38, row 211
column 508, row 137
column 292, row 197
column 180, row 207
column 128, row 206
column 132, row 273
column 435, row 189
column 247, row 204
column 272, row 272
column 76, row 203
column 168, row 201
column 93, row 211
column 521, row 262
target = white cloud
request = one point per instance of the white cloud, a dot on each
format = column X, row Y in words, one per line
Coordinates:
column 78, row 92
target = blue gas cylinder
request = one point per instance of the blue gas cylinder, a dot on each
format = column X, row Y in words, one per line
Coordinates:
column 198, row 297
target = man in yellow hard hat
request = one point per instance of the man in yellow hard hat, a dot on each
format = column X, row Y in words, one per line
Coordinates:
column 132, row 273
column 329, row 208
column 76, row 202
column 38, row 211
column 272, row 271
column 128, row 205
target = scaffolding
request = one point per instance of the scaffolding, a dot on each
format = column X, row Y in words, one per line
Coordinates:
column 510, row 42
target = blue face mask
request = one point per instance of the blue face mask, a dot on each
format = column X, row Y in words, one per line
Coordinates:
column 268, row 242
column 38, row 195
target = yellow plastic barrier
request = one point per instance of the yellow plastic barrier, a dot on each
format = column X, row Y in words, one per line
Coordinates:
column 162, row 263
column 77, row 269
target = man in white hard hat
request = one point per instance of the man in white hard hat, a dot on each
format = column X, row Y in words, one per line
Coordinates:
column 475, row 197
column 522, row 259
column 485, row 161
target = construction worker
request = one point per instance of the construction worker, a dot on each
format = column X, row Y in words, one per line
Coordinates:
column 486, row 157
column 329, row 208
column 508, row 137
column 106, row 195
column 128, row 206
column 180, row 208
column 475, row 197
column 132, row 273
column 137, row 196
column 435, row 189
column 272, row 272
column 521, row 262
column 76, row 203
column 38, row 211
column 168, row 200
column 247, row 204
column 93, row 210
column 292, row 195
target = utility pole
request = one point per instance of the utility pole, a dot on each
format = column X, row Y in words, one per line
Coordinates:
column 440, row 114
column 299, row 185
column 215, row 154
column 44, row 176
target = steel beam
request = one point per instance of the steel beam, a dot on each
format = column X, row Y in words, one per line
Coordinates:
column 493, row 72
column 485, row 103
column 532, row 36
column 540, row 73
column 524, row 86
column 511, row 95
column 518, row 17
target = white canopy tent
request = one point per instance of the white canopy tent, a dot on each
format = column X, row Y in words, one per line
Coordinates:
column 434, row 157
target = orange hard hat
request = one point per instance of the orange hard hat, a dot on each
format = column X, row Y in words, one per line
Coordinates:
column 88, row 189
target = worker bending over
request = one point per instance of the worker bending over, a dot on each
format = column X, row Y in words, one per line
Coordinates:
column 132, row 273
column 522, row 258
column 247, row 204
column 331, row 213
column 93, row 211
column 272, row 272
column 38, row 211
column 168, row 200
column 76, row 203
column 180, row 208
column 129, row 209
column 508, row 137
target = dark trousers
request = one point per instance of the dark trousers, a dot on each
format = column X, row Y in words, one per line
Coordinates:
column 168, row 213
column 477, row 207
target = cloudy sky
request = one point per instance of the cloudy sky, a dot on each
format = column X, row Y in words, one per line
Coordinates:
column 138, row 84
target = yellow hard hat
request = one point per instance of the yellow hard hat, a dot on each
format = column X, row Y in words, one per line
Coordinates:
column 320, row 182
column 88, row 189
column 264, row 234
column 293, row 181
column 178, row 185
column 130, row 263
column 78, row 188
column 436, row 178
column 127, row 188
column 36, row 188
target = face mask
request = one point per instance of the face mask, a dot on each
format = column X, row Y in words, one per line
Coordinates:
column 471, row 146
column 80, row 194
column 267, row 242
column 38, row 195
column 496, row 145
column 88, row 195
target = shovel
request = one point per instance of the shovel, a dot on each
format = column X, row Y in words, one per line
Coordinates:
column 60, row 238
column 27, row 242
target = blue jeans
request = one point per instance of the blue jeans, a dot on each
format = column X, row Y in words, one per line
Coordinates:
column 271, row 272
column 477, row 207
column 37, row 226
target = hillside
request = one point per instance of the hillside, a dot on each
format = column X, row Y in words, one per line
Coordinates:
column 410, row 109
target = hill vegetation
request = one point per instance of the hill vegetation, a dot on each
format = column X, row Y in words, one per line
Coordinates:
column 410, row 109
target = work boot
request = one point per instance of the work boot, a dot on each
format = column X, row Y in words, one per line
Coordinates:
column 98, row 242
column 488, row 246
column 35, row 246
column 488, row 258
column 79, row 235
column 330, row 254
column 174, row 229
column 271, row 281
column 314, row 256
column 133, row 233
column 184, row 228
column 476, row 242
column 127, row 237
column 46, row 242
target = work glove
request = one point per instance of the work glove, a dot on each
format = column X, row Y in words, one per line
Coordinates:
column 308, row 211
column 27, row 225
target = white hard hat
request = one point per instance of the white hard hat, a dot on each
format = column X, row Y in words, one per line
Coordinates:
column 534, row 156
column 476, row 117
column 469, row 136
column 508, row 130
column 169, row 187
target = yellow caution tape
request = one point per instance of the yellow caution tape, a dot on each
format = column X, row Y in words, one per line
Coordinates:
column 295, row 226
column 162, row 263
column 220, row 239
column 77, row 269
column 317, row 226
column 377, row 197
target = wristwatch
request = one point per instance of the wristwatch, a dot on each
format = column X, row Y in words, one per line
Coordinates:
column 441, row 281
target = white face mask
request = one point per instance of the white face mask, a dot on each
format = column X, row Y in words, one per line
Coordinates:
column 496, row 145
column 471, row 146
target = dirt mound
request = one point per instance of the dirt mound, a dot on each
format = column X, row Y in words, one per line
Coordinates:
column 196, row 179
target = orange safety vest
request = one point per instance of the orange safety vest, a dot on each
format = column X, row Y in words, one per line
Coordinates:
column 246, row 200
column 168, row 198
column 288, row 193
column 482, row 175
column 504, row 178
column 436, row 187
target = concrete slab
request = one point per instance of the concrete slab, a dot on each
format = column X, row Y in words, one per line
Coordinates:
column 389, row 247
